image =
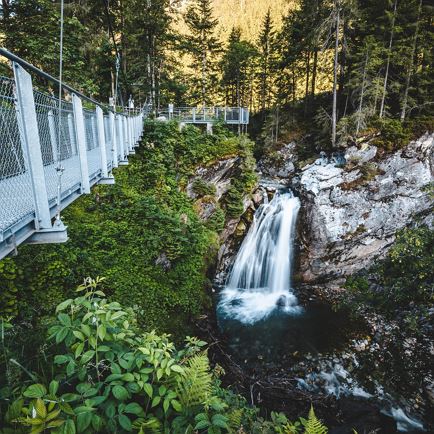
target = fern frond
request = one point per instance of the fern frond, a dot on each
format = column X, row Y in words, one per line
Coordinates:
column 313, row 425
column 234, row 419
column 195, row 385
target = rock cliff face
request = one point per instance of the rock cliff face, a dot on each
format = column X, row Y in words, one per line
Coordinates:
column 219, row 175
column 350, row 215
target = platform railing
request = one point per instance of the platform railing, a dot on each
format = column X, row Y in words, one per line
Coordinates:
column 198, row 115
column 51, row 153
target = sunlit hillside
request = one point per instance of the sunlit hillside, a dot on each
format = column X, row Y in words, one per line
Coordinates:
column 245, row 14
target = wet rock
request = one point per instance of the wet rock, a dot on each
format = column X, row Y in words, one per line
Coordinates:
column 350, row 215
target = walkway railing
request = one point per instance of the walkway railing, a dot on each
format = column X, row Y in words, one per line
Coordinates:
column 51, row 153
column 198, row 115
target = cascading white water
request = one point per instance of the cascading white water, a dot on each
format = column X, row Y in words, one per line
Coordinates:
column 260, row 280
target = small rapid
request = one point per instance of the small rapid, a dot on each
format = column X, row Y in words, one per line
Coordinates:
column 260, row 280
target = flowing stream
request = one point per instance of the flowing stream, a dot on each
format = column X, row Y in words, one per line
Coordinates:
column 260, row 314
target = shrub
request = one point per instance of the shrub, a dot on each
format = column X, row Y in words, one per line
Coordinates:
column 202, row 188
column 110, row 376
column 393, row 135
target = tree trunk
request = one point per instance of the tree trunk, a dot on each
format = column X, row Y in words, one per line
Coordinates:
column 362, row 91
column 335, row 74
column 386, row 75
column 410, row 66
column 306, row 93
column 315, row 65
column 204, row 76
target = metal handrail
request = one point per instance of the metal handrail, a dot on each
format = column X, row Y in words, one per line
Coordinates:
column 29, row 66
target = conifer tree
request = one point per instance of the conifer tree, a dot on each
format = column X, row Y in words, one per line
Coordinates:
column 265, row 47
column 202, row 43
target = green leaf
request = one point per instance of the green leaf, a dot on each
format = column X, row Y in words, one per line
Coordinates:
column 166, row 405
column 177, row 368
column 156, row 401
column 60, row 359
column 176, row 405
column 35, row 391
column 83, row 421
column 53, row 387
column 79, row 349
column 87, row 356
column 128, row 377
column 61, row 335
column 119, row 392
column 148, row 389
column 64, row 319
column 220, row 421
column 85, row 329
column 70, row 368
column 102, row 331
column 70, row 397
column 117, row 315
column 69, row 427
column 40, row 408
column 125, row 422
column 202, row 425
column 134, row 408
column 78, row 334
column 63, row 305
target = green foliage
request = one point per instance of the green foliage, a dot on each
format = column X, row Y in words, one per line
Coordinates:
column 405, row 276
column 203, row 188
column 8, row 288
column 126, row 229
column 393, row 135
column 233, row 201
column 216, row 222
column 110, row 376
column 313, row 425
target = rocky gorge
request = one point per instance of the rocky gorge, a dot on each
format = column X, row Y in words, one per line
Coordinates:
column 349, row 217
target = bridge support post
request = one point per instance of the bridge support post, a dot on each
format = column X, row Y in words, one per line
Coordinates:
column 29, row 134
column 122, row 145
column 114, row 149
column 209, row 128
column 81, row 142
column 130, row 135
column 105, row 178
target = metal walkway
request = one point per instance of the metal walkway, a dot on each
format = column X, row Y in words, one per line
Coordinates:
column 43, row 170
column 207, row 115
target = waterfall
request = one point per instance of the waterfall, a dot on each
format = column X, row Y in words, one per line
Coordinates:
column 260, row 279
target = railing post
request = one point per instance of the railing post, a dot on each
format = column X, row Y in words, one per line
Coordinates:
column 114, row 150
column 32, row 147
column 105, row 178
column 53, row 137
column 122, row 146
column 81, row 142
column 194, row 115
column 71, row 133
column 125, row 135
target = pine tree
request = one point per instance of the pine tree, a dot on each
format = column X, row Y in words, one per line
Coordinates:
column 237, row 68
column 265, row 44
column 202, row 43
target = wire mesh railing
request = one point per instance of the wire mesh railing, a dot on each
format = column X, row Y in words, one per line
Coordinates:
column 228, row 115
column 51, row 152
